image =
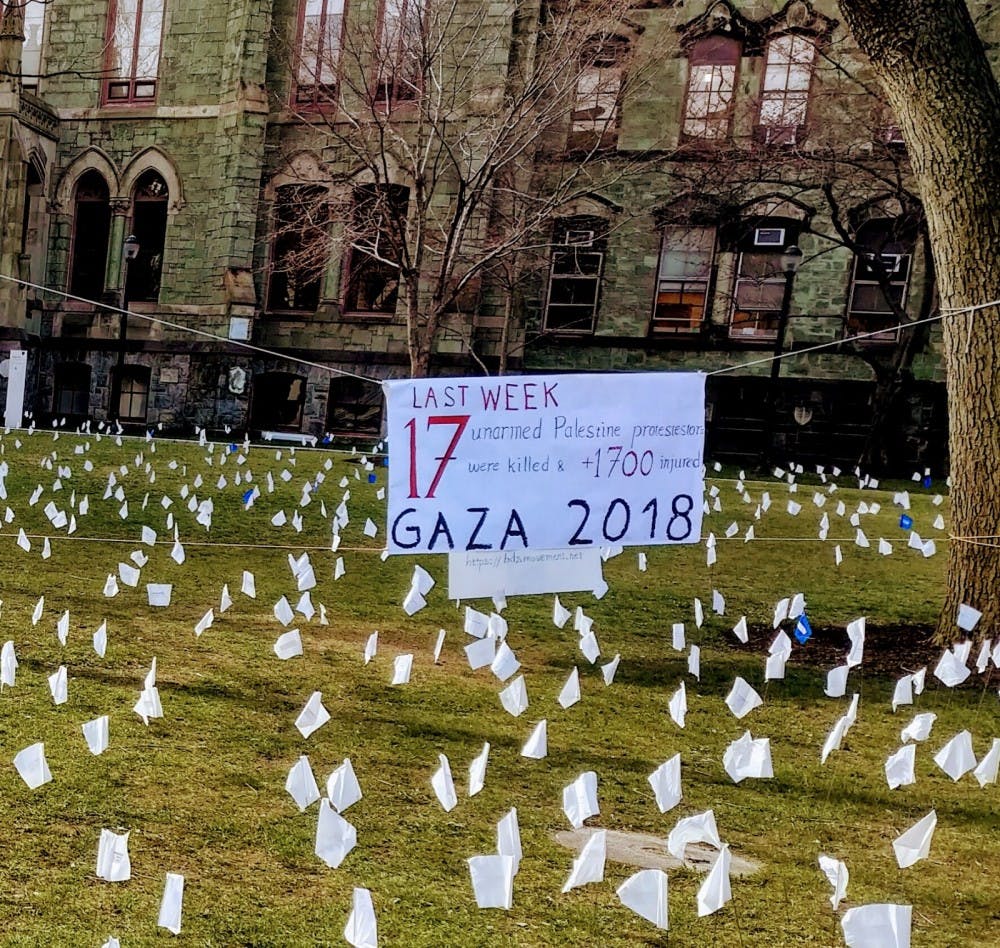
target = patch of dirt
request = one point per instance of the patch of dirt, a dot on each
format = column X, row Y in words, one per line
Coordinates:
column 650, row 852
column 889, row 649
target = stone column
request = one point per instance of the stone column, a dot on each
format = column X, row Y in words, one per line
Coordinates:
column 115, row 267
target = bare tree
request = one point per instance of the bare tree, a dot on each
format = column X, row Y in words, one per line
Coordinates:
column 933, row 65
column 844, row 173
column 432, row 124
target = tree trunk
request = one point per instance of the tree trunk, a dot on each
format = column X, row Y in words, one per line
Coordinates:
column 931, row 62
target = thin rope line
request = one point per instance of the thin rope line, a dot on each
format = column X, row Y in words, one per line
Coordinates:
column 969, row 309
column 372, row 549
column 976, row 542
column 860, row 335
column 157, row 439
column 365, row 378
column 198, row 543
column 197, row 332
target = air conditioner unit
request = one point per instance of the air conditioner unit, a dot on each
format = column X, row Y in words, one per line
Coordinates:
column 769, row 237
column 891, row 262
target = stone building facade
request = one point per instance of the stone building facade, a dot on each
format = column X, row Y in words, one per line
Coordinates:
column 744, row 127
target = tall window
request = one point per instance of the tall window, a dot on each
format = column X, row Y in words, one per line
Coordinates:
column 575, row 274
column 683, row 280
column 299, row 248
column 31, row 53
column 135, row 28
column 278, row 400
column 598, row 89
column 760, row 281
column 133, row 397
column 149, row 225
column 401, row 44
column 785, row 100
column 71, row 398
column 708, row 105
column 355, row 407
column 321, row 32
column 880, row 277
column 372, row 279
column 91, row 229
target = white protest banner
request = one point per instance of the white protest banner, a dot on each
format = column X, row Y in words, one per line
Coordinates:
column 545, row 462
column 480, row 574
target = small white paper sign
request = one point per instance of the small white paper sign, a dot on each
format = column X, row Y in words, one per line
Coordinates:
column 479, row 574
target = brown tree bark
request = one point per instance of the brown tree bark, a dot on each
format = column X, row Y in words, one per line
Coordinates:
column 932, row 64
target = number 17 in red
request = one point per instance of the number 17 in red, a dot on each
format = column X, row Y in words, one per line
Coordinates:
column 458, row 422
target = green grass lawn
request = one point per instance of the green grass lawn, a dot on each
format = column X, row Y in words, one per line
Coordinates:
column 202, row 790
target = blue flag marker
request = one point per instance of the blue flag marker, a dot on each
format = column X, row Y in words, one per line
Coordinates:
column 927, row 481
column 248, row 496
column 233, row 448
column 803, row 630
column 906, row 521
column 372, row 478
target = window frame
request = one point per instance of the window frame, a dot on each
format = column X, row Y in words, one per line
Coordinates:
column 272, row 376
column 858, row 320
column 138, row 226
column 130, row 81
column 77, row 371
column 321, row 95
column 353, row 262
column 76, row 245
column 704, row 53
column 345, row 395
column 126, row 377
column 34, row 14
column 595, row 246
column 606, row 58
column 760, row 323
column 785, row 132
column 301, row 236
column 665, row 326
column 386, row 91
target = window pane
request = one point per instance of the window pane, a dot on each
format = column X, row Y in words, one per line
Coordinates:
column 31, row 55
column 753, row 295
column 300, row 248
column 787, row 75
column 277, row 400
column 596, row 99
column 686, row 253
column 149, row 225
column 354, row 407
column 372, row 278
column 576, row 262
column 401, row 43
column 133, row 394
column 772, row 111
column 150, row 28
column 709, row 101
column 309, row 45
column 123, row 38
column 91, row 230
column 319, row 44
column 759, row 266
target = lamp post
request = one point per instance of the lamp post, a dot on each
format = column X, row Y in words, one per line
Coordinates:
column 130, row 250
column 791, row 260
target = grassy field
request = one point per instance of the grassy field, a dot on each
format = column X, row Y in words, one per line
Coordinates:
column 202, row 789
